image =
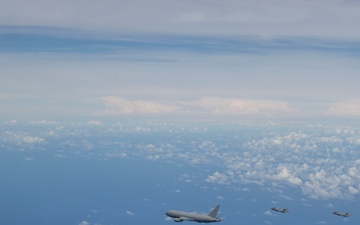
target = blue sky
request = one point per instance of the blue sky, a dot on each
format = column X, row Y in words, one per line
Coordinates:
column 260, row 59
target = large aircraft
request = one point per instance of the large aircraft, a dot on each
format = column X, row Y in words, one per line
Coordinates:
column 201, row 218
column 280, row 210
column 342, row 214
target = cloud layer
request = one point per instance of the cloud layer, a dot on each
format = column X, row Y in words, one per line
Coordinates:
column 260, row 17
column 213, row 106
column 322, row 162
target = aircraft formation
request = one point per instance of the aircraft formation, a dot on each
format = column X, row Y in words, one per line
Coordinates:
column 180, row 216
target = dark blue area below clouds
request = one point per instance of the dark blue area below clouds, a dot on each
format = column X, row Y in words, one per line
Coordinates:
column 136, row 191
column 65, row 41
column 67, row 191
column 63, row 182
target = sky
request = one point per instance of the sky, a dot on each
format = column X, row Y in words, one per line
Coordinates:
column 194, row 59
column 113, row 111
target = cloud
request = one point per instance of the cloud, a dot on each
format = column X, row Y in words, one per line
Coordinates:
column 286, row 175
column 329, row 205
column 21, row 138
column 119, row 105
column 241, row 106
column 321, row 161
column 206, row 105
column 345, row 108
column 129, row 213
column 43, row 122
column 11, row 122
column 84, row 223
column 94, row 122
column 314, row 163
column 219, row 178
column 229, row 17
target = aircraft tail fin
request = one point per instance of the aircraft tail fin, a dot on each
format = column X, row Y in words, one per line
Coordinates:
column 214, row 212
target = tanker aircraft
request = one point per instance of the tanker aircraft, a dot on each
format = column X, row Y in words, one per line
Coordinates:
column 180, row 216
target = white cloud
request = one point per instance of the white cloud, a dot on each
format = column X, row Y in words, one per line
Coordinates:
column 94, row 122
column 21, row 138
column 119, row 105
column 129, row 213
column 353, row 190
column 43, row 122
column 303, row 159
column 241, row 106
column 208, row 105
column 329, row 205
column 84, row 223
column 322, row 162
column 219, row 178
column 11, row 122
column 345, row 108
column 285, row 174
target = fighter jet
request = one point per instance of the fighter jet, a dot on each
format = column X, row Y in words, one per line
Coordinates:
column 280, row 210
column 201, row 218
column 342, row 214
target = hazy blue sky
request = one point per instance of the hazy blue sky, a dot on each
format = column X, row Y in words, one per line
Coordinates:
column 272, row 59
column 105, row 64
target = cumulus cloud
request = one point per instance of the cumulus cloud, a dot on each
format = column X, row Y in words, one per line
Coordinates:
column 129, row 213
column 208, row 105
column 286, row 175
column 43, row 122
column 322, row 162
column 11, row 122
column 21, row 138
column 241, row 106
column 303, row 159
column 346, row 108
column 120, row 105
column 219, row 178
column 84, row 223
column 94, row 122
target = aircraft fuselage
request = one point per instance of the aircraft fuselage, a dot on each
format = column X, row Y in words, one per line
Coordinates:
column 181, row 216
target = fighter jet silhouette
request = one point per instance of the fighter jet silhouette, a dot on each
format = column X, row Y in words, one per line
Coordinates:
column 280, row 210
column 342, row 214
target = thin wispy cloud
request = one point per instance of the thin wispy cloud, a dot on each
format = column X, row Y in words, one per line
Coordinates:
column 278, row 17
